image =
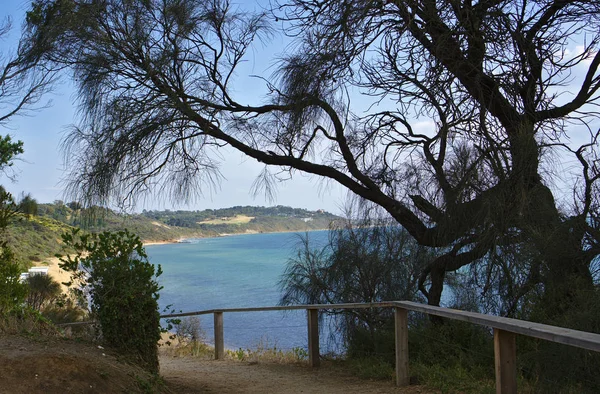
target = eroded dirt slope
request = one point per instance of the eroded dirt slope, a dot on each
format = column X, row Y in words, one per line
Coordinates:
column 54, row 365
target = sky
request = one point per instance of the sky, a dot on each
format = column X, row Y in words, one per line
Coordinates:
column 40, row 171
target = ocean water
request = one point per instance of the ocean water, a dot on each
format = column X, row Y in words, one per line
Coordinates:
column 232, row 272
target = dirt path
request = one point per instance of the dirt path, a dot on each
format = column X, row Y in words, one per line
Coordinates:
column 193, row 375
column 53, row 365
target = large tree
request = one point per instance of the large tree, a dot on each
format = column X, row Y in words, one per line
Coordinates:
column 24, row 78
column 507, row 89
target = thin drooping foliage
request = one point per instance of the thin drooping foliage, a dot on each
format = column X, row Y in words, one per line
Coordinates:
column 452, row 116
column 363, row 261
column 42, row 290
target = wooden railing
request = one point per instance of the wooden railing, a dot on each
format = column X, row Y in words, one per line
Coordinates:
column 505, row 330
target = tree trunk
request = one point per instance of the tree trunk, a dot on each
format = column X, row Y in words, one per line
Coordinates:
column 437, row 286
column 565, row 272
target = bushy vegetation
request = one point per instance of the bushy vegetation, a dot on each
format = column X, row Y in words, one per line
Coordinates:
column 20, row 301
column 42, row 291
column 262, row 219
column 96, row 219
column 28, row 205
column 196, row 218
column 12, row 291
column 34, row 239
column 366, row 261
column 112, row 271
column 169, row 225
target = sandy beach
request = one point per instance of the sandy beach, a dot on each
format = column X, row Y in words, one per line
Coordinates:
column 167, row 242
column 57, row 273
column 60, row 275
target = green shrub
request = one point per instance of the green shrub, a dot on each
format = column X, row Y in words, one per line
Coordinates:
column 552, row 365
column 42, row 290
column 371, row 367
column 363, row 343
column 452, row 379
column 64, row 310
column 452, row 343
column 112, row 269
column 452, row 356
column 12, row 291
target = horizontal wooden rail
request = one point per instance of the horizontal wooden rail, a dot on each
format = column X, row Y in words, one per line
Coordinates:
column 566, row 336
column 367, row 305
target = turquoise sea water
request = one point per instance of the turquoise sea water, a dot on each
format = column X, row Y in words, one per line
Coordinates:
column 232, row 272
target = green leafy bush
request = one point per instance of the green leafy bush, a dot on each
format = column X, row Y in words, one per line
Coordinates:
column 42, row 291
column 65, row 310
column 15, row 314
column 12, row 291
column 452, row 356
column 554, row 365
column 112, row 271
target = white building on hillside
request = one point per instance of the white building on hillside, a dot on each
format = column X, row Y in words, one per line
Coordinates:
column 38, row 271
column 33, row 271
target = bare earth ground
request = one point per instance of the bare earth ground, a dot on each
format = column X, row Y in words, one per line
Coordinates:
column 193, row 375
column 56, row 366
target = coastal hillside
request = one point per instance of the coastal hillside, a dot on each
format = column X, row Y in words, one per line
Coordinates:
column 244, row 219
column 36, row 237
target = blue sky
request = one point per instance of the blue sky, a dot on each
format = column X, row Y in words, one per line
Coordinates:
column 40, row 170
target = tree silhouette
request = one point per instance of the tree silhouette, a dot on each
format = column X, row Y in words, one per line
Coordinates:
column 24, row 77
column 506, row 89
column 42, row 289
column 28, row 205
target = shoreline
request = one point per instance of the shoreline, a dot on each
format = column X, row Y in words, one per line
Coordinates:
column 183, row 240
column 164, row 242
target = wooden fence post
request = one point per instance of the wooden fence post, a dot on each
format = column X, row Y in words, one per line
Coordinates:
column 505, row 354
column 313, row 337
column 219, row 346
column 401, row 320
